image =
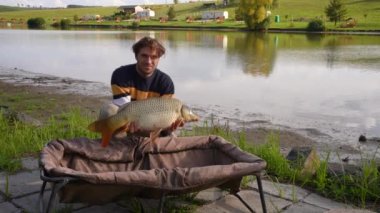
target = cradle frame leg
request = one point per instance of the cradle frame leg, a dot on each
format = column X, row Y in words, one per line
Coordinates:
column 261, row 192
column 161, row 204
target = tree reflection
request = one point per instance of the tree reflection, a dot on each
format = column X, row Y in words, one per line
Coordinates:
column 256, row 51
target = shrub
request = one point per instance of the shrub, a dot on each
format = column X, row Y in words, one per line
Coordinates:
column 65, row 23
column 315, row 25
column 36, row 22
column 349, row 23
column 135, row 24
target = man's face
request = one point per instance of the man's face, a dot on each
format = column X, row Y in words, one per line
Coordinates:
column 147, row 61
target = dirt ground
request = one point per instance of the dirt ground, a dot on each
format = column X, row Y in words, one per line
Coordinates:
column 41, row 102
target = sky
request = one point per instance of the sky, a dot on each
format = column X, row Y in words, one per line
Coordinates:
column 64, row 3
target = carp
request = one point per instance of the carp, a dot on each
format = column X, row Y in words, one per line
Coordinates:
column 152, row 115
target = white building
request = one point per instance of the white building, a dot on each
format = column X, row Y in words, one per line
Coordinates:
column 214, row 15
column 145, row 14
column 131, row 8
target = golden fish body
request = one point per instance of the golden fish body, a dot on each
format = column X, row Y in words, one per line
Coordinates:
column 153, row 114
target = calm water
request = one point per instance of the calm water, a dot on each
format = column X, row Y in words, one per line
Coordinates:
column 330, row 83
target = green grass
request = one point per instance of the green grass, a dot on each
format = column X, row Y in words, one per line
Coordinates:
column 294, row 14
column 20, row 139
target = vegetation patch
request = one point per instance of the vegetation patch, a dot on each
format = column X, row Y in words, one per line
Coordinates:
column 361, row 189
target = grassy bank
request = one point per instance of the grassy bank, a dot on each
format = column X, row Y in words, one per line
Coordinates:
column 22, row 139
column 294, row 14
column 361, row 189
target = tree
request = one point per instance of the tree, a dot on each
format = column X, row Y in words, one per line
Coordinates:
column 315, row 25
column 171, row 13
column 254, row 13
column 275, row 4
column 36, row 23
column 76, row 18
column 335, row 11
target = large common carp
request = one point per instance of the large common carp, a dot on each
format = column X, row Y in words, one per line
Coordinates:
column 153, row 115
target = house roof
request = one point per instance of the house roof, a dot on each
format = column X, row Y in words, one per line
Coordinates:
column 128, row 7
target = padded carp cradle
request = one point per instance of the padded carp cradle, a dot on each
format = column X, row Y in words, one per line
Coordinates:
column 81, row 171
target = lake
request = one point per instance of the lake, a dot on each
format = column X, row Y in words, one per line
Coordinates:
column 326, row 84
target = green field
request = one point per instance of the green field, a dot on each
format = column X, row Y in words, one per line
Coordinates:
column 294, row 14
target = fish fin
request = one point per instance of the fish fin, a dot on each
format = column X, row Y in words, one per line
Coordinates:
column 124, row 128
column 106, row 137
column 92, row 127
column 98, row 126
column 155, row 134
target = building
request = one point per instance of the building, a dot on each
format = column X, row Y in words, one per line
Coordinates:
column 131, row 8
column 145, row 14
column 214, row 15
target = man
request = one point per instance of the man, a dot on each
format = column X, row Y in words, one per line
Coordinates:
column 141, row 80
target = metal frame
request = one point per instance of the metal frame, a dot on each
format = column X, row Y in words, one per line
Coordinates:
column 261, row 192
column 59, row 182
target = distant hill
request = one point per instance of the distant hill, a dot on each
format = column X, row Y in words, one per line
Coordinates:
column 78, row 6
column 4, row 8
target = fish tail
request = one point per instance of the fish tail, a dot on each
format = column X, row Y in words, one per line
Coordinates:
column 106, row 138
column 107, row 128
column 103, row 127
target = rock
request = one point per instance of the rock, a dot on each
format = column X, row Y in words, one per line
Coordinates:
column 339, row 169
column 305, row 158
column 13, row 116
column 362, row 138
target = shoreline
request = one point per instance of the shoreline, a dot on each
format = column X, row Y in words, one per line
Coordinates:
column 269, row 30
column 345, row 31
column 68, row 92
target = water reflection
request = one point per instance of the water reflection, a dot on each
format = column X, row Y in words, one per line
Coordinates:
column 328, row 82
column 255, row 51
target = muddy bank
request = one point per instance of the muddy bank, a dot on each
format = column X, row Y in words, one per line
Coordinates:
column 41, row 96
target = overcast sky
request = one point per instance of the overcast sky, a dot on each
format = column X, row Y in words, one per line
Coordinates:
column 64, row 3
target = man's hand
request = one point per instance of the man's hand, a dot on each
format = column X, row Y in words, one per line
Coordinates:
column 133, row 128
column 176, row 124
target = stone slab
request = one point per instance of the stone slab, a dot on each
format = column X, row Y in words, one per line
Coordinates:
column 30, row 203
column 108, row 208
column 21, row 183
column 323, row 202
column 289, row 192
column 8, row 207
column 348, row 211
column 303, row 208
column 211, row 195
column 232, row 204
column 30, row 163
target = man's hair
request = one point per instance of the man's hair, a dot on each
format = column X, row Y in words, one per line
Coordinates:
column 151, row 43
